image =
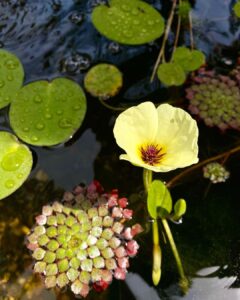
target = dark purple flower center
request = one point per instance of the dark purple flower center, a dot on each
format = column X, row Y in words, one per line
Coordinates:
column 151, row 154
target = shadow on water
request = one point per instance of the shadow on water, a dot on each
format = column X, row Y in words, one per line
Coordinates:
column 56, row 38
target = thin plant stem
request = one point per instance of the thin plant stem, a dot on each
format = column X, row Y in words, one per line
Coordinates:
column 191, row 30
column 103, row 102
column 157, row 255
column 165, row 38
column 183, row 281
column 178, row 177
column 177, row 33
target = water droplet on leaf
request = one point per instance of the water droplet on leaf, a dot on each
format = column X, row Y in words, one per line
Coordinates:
column 12, row 161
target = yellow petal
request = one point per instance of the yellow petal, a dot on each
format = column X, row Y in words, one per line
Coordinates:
column 136, row 126
column 178, row 132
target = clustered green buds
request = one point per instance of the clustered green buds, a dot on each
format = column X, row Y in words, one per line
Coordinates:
column 215, row 99
column 82, row 241
column 215, row 172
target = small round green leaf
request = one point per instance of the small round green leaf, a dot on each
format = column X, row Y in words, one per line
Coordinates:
column 180, row 208
column 48, row 113
column 15, row 163
column 189, row 60
column 128, row 22
column 236, row 9
column 11, row 77
column 159, row 201
column 171, row 74
column 103, row 81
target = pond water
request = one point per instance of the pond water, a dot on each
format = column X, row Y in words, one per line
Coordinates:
column 56, row 38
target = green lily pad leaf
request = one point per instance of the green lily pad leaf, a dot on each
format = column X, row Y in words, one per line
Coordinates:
column 184, row 8
column 236, row 9
column 48, row 113
column 15, row 163
column 159, row 201
column 11, row 77
column 171, row 74
column 103, row 81
column 128, row 22
column 189, row 60
column 180, row 208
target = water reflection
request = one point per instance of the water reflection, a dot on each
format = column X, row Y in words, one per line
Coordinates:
column 71, row 165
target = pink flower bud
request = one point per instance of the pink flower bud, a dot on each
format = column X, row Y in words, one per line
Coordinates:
column 117, row 212
column 127, row 213
column 41, row 219
column 123, row 202
column 123, row 262
column 132, row 248
column 120, row 274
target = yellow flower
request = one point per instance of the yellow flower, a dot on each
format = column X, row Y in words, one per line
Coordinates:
column 159, row 139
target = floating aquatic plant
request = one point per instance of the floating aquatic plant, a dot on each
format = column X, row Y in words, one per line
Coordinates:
column 83, row 242
column 128, row 22
column 215, row 172
column 11, row 77
column 183, row 61
column 103, row 81
column 236, row 9
column 215, row 99
column 48, row 113
column 15, row 163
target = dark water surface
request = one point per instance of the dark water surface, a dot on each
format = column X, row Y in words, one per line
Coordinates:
column 56, row 38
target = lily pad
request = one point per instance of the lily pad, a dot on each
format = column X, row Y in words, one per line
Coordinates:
column 189, row 60
column 236, row 9
column 171, row 74
column 11, row 77
column 128, row 22
column 103, row 81
column 48, row 113
column 15, row 163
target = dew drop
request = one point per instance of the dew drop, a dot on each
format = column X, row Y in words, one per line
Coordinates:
column 150, row 22
column 135, row 12
column 59, row 112
column 76, row 107
column 48, row 116
column 9, row 184
column 65, row 123
column 11, row 64
column 40, row 126
column 26, row 129
column 37, row 99
column 10, row 78
column 20, row 176
column 34, row 138
column 136, row 22
column 2, row 83
column 125, row 7
column 12, row 161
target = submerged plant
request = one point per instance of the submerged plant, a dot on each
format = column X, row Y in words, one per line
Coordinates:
column 82, row 242
column 215, row 99
column 215, row 172
column 103, row 81
column 159, row 139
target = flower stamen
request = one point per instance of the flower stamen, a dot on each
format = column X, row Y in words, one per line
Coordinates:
column 151, row 154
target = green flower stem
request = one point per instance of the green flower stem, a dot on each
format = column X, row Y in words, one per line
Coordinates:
column 156, row 272
column 175, row 252
column 103, row 102
column 157, row 255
